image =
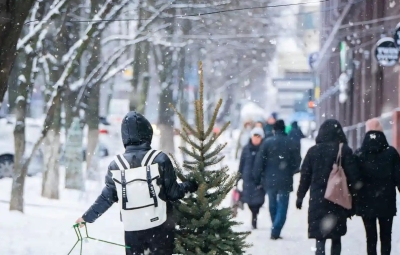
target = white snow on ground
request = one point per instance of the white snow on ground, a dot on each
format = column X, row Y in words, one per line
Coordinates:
column 46, row 226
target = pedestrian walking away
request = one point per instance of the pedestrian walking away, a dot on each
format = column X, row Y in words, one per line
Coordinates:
column 326, row 220
column 296, row 134
column 379, row 166
column 143, row 182
column 253, row 195
column 276, row 162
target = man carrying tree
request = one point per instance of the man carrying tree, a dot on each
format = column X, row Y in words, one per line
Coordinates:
column 277, row 160
column 143, row 182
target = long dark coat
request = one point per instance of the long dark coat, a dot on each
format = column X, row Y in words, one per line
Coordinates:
column 379, row 166
column 326, row 220
column 252, row 194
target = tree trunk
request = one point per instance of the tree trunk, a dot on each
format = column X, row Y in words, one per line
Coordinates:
column 26, row 81
column 17, row 191
column 73, row 157
column 92, row 112
column 51, row 177
column 91, row 154
column 137, row 64
column 141, row 107
column 12, row 17
column 166, row 121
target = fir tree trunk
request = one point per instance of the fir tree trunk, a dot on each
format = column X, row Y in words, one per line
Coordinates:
column 51, row 177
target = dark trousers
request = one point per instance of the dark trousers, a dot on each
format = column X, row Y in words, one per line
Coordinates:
column 158, row 240
column 336, row 248
column 255, row 209
column 278, row 207
column 385, row 226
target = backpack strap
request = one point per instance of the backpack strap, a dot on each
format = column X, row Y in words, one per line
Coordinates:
column 149, row 157
column 147, row 161
column 339, row 155
column 123, row 165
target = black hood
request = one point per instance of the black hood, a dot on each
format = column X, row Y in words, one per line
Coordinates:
column 136, row 129
column 331, row 131
column 375, row 142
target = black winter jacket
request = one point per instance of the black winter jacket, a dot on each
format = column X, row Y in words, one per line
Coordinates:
column 276, row 162
column 252, row 194
column 379, row 166
column 137, row 134
column 326, row 220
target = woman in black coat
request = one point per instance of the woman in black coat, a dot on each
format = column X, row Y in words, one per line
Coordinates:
column 326, row 220
column 252, row 194
column 379, row 166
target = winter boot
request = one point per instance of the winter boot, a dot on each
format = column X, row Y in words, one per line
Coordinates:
column 254, row 222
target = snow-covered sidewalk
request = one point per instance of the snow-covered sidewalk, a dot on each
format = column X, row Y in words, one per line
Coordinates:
column 46, row 226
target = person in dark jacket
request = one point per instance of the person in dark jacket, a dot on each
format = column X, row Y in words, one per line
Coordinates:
column 295, row 133
column 276, row 162
column 269, row 125
column 326, row 220
column 252, row 194
column 137, row 134
column 379, row 166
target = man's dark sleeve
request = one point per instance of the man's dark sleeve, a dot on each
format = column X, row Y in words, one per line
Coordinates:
column 106, row 199
column 173, row 189
column 259, row 164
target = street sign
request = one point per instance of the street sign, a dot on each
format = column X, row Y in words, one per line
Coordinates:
column 396, row 36
column 386, row 52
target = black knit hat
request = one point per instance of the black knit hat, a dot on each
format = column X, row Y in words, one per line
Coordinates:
column 279, row 125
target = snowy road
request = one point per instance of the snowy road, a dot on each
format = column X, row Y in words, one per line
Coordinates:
column 46, row 226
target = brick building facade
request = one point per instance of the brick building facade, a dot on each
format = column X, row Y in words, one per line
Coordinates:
column 350, row 30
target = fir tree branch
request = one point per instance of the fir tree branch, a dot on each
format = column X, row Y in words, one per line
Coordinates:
column 178, row 169
column 186, row 138
column 192, row 154
column 215, row 152
column 184, row 122
column 214, row 117
column 214, row 161
column 214, row 138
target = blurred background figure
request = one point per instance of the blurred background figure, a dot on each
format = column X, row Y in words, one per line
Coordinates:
column 253, row 195
column 244, row 137
column 269, row 126
column 296, row 134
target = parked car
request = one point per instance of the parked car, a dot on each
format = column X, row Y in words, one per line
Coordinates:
column 33, row 131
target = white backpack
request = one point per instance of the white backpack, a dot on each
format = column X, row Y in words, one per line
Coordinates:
column 137, row 189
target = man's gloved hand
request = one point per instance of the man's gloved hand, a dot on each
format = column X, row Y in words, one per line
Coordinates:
column 299, row 203
column 192, row 186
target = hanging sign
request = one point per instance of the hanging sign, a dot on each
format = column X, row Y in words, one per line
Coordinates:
column 386, row 52
column 396, row 36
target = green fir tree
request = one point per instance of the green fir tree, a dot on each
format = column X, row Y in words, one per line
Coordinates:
column 204, row 227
